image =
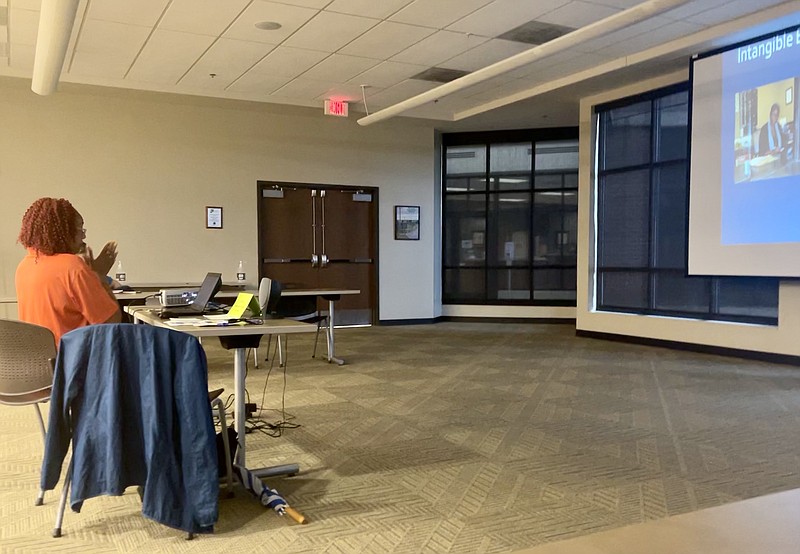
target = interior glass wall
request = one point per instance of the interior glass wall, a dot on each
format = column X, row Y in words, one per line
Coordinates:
column 510, row 217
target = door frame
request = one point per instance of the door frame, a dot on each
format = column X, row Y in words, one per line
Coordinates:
column 375, row 276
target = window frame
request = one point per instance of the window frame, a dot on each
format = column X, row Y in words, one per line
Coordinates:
column 713, row 284
column 488, row 139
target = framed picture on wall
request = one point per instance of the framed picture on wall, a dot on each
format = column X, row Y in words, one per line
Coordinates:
column 406, row 223
column 213, row 217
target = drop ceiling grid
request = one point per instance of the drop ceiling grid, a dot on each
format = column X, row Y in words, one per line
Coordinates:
column 437, row 13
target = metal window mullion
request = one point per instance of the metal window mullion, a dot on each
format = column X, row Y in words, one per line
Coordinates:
column 651, row 256
column 487, row 172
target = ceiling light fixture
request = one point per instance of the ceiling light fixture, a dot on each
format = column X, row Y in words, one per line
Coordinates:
column 268, row 25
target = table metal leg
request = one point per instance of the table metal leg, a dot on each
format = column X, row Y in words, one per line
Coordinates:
column 239, row 413
column 239, row 361
column 329, row 334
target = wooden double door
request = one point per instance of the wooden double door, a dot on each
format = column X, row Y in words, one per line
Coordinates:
column 321, row 236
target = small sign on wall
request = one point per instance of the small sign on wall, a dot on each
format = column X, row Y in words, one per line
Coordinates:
column 406, row 222
column 213, row 217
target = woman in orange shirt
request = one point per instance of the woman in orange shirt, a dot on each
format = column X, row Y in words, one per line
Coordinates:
column 60, row 284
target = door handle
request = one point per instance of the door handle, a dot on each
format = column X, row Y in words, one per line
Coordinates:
column 323, row 260
column 314, row 257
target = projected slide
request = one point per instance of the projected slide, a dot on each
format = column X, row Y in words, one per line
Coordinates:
column 744, row 186
column 761, row 173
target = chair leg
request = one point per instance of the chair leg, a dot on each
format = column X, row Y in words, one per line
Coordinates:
column 316, row 339
column 269, row 344
column 255, row 357
column 40, row 497
column 63, row 502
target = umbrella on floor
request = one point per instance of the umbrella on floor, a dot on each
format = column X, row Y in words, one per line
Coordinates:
column 268, row 497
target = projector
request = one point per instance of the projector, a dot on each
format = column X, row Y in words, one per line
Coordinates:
column 176, row 297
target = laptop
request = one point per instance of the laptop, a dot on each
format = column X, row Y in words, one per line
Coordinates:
column 199, row 306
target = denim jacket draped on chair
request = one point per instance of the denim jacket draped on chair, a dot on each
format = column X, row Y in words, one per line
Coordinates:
column 133, row 400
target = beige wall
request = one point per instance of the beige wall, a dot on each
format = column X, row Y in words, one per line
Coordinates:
column 141, row 167
column 780, row 340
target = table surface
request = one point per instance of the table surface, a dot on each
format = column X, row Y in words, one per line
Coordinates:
column 145, row 314
column 141, row 295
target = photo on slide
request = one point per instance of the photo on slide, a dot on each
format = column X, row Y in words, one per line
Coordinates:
column 764, row 132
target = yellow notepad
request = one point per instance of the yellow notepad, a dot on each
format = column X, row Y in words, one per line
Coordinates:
column 244, row 301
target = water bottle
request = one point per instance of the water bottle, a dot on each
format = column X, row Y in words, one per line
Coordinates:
column 120, row 274
column 240, row 275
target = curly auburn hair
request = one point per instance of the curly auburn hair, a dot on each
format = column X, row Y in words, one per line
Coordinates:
column 49, row 225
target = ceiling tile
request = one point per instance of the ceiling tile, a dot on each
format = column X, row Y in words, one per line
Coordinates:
column 349, row 92
column 140, row 12
column 368, row 8
column 387, row 74
column 21, row 56
column 339, row 68
column 290, row 17
column 330, row 31
column 27, row 4
column 503, row 15
column 437, row 13
column 284, row 62
column 485, row 54
column 303, row 89
column 262, row 83
column 316, row 4
column 438, row 47
column 227, row 59
column 578, row 14
column 107, row 49
column 692, row 8
column 203, row 17
column 23, row 26
column 167, row 56
column 731, row 10
column 386, row 39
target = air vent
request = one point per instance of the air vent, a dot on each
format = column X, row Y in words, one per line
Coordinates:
column 440, row 75
column 536, row 32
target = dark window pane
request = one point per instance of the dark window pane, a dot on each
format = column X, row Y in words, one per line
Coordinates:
column 554, row 284
column 623, row 289
column 548, row 181
column 548, row 227
column 464, row 284
column 510, row 182
column 510, row 284
column 465, row 229
column 624, row 219
column 670, row 221
column 678, row 293
column 510, row 158
column 508, row 228
column 570, row 180
column 462, row 160
column 748, row 296
column 465, row 184
column 556, row 155
column 673, row 123
column 626, row 133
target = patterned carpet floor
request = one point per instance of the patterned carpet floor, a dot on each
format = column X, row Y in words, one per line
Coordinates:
column 459, row 437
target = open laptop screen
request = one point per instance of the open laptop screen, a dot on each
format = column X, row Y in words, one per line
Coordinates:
column 210, row 287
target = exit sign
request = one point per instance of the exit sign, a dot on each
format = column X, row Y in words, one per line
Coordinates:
column 336, row 107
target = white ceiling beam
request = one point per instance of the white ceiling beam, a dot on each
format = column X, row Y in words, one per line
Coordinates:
column 610, row 24
column 56, row 20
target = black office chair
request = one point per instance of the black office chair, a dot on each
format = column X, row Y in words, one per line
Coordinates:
column 300, row 308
